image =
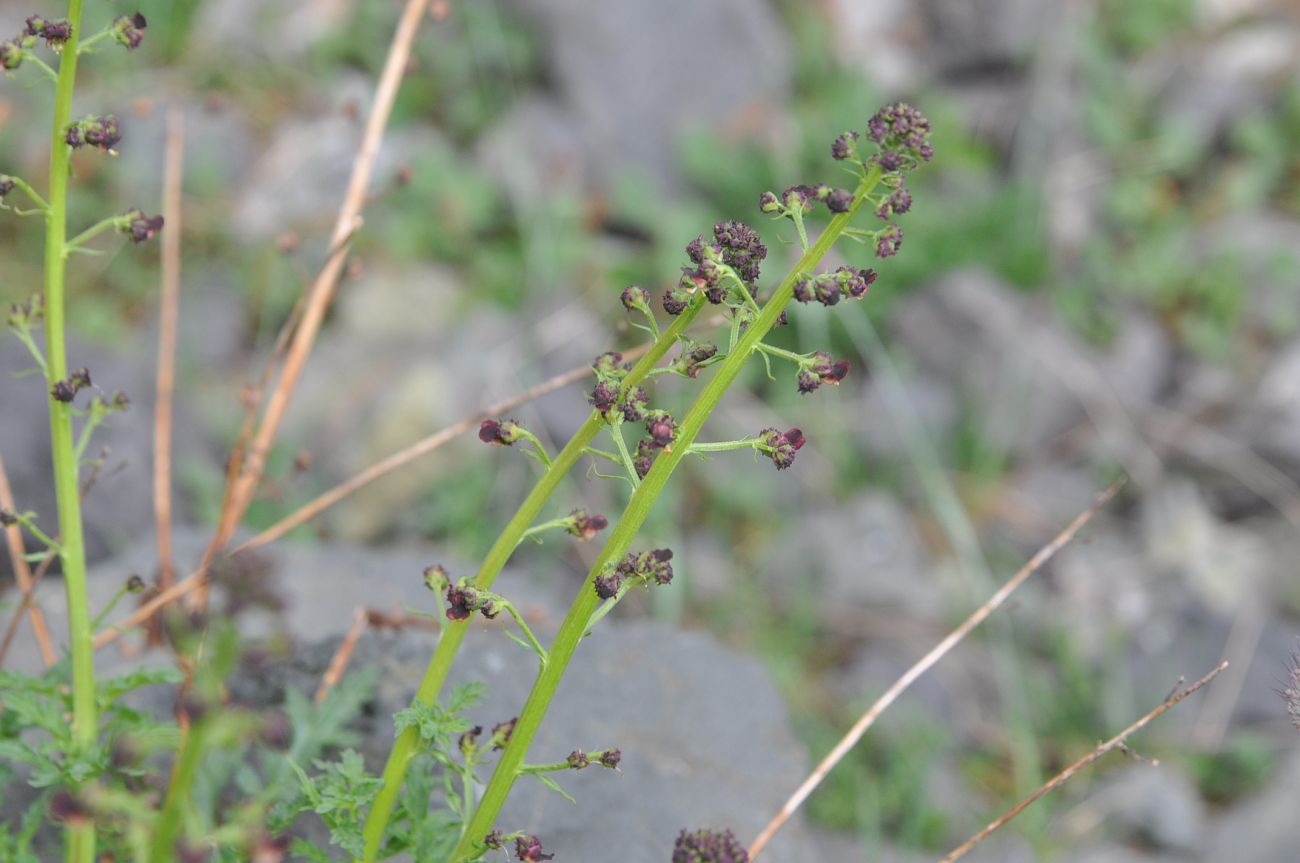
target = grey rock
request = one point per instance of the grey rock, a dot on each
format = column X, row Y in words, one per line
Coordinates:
column 1263, row 829
column 1158, row 805
column 930, row 402
column 895, row 33
column 556, row 154
column 1112, row 853
column 1103, row 586
column 636, row 76
column 1276, row 404
column 966, row 36
column 268, row 30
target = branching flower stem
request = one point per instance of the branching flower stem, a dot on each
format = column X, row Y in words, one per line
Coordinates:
column 406, row 745
column 72, row 555
column 577, row 621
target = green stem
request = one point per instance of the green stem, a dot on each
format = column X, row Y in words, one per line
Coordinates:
column 168, row 828
column 616, row 432
column 43, row 66
column 98, row 37
column 527, row 631
column 31, row 193
column 797, row 359
column 80, row 847
column 406, row 745
column 724, row 445
column 638, row 509
column 95, row 229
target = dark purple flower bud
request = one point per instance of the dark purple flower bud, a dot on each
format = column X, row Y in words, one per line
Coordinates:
column 67, row 389
column 797, row 197
column 436, row 578
column 768, row 203
column 55, row 33
column 843, row 147
column 75, row 136
column 807, row 381
column 828, row 369
column 500, row 432
column 134, row 584
column 6, row 185
column 607, row 585
column 634, row 405
column 903, row 134
column 889, row 161
column 578, row 759
column 610, row 758
column 586, row 526
column 468, row 742
column 782, row 445
column 635, row 298
column 855, row 282
column 692, row 362
column 609, row 365
column 646, row 452
column 11, row 55
column 900, row 201
column 839, row 201
column 657, row 565
column 604, row 397
column 143, row 228
column 804, row 290
column 889, row 241
column 676, row 299
column 8, row 518
column 661, row 427
column 101, row 132
column 529, row 850
column 706, row 846
column 827, row 289
column 462, row 601
column 129, row 30
column 119, row 401
column 501, row 733
column 494, row 840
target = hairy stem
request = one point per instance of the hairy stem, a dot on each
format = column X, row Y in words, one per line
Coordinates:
column 576, row 622
column 80, row 847
column 405, row 747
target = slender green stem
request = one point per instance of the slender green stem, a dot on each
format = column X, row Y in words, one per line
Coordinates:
column 80, row 846
column 166, row 831
column 405, row 746
column 724, row 445
column 543, row 527
column 31, row 193
column 95, row 229
column 798, row 359
column 605, row 454
column 43, row 66
column 25, row 520
column 527, row 631
column 577, row 621
column 616, row 432
column 98, row 37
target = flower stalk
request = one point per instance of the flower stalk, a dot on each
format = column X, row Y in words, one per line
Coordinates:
column 577, row 622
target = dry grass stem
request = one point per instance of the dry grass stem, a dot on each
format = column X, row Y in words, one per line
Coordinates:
column 339, row 662
column 854, row 734
column 26, row 582
column 167, row 316
column 1116, row 742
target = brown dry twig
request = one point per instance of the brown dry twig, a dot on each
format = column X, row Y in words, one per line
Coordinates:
column 1065, row 775
column 854, row 734
column 167, row 314
column 26, row 582
column 362, row 619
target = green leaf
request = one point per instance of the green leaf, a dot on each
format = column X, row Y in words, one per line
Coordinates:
column 554, row 786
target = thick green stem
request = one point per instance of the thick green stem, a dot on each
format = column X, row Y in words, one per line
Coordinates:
column 168, row 828
column 576, row 622
column 407, row 743
column 81, row 839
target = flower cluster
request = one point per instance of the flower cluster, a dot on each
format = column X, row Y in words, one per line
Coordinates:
column 781, row 446
column 55, row 33
column 128, row 30
column 100, row 132
column 66, row 390
column 802, row 198
column 725, row 269
column 829, row 288
column 636, row 569
column 579, row 760
column 695, row 355
column 528, row 848
column 141, row 228
column 608, row 397
column 822, row 369
column 903, row 135
column 706, row 846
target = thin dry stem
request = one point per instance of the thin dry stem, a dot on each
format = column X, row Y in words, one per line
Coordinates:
column 26, row 582
column 167, row 315
column 1065, row 775
column 339, row 662
column 854, row 734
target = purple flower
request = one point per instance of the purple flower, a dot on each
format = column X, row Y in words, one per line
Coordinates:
column 578, row 760
column 828, row 369
column 609, row 365
column 586, row 526
column 501, row 733
column 143, row 228
column 529, row 850
column 55, row 33
column 692, row 362
column 843, row 147
column 6, row 185
column 676, row 299
column 500, row 432
column 706, row 846
column 903, row 135
column 606, row 586
column 634, row 405
column 462, row 601
column 11, row 55
column 799, row 197
column 101, row 132
column 634, row 298
column 804, row 291
column 839, row 200
column 782, row 446
column 768, row 203
column 128, row 30
column 855, row 282
column 889, row 241
column 494, row 840
column 610, row 758
column 646, row 452
column 661, row 427
column 604, row 396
